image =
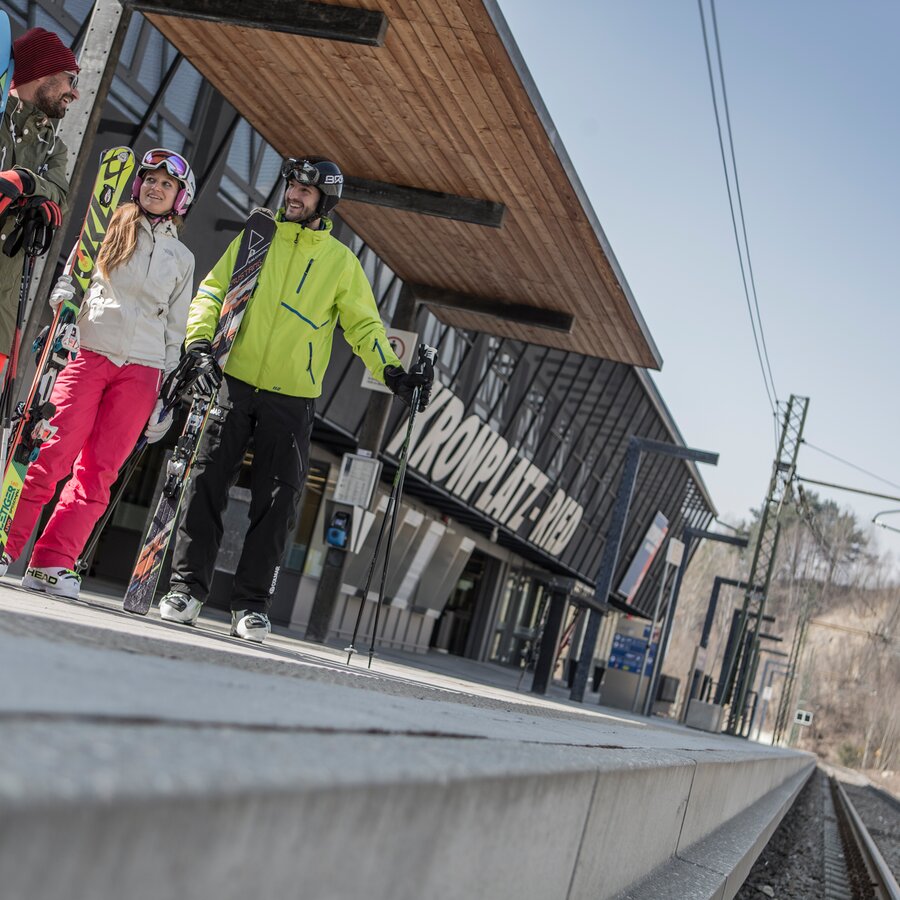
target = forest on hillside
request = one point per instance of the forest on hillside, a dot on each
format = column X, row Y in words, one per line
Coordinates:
column 828, row 572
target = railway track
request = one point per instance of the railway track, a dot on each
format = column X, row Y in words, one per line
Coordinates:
column 855, row 868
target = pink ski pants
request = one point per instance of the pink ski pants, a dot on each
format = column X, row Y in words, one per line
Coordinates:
column 101, row 411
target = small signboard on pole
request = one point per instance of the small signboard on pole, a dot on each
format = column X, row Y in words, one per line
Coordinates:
column 641, row 563
column 803, row 717
column 674, row 552
column 403, row 343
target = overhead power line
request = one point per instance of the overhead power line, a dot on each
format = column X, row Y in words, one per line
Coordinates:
column 734, row 198
column 847, row 462
column 852, row 490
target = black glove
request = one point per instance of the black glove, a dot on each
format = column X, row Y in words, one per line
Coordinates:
column 46, row 211
column 205, row 374
column 37, row 219
column 403, row 384
column 13, row 184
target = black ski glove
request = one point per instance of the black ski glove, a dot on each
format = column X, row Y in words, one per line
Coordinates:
column 206, row 376
column 403, row 384
column 37, row 219
column 13, row 184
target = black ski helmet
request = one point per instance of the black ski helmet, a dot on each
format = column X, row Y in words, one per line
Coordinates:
column 320, row 173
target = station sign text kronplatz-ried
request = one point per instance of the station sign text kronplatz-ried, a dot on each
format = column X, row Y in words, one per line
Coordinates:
column 473, row 462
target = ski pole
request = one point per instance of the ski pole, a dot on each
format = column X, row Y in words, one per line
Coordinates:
column 351, row 649
column 397, row 490
column 429, row 354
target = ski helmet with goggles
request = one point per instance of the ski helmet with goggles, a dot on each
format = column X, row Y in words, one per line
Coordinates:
column 320, row 173
column 177, row 166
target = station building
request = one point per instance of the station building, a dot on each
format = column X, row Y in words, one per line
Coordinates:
column 476, row 235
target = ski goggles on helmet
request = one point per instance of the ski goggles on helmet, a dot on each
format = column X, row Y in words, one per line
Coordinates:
column 301, row 171
column 177, row 166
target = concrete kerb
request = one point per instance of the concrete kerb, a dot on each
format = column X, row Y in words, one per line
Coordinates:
column 723, row 788
column 715, row 868
column 673, row 808
column 339, row 815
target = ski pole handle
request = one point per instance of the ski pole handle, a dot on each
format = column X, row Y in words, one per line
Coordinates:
column 426, row 354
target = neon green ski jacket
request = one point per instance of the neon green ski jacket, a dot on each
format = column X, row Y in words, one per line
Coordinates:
column 309, row 282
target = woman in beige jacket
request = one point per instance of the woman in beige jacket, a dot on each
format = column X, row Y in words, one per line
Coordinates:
column 132, row 324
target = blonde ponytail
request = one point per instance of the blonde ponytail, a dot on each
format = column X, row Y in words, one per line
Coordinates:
column 121, row 239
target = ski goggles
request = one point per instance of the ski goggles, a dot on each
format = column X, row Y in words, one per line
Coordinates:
column 301, row 171
column 73, row 79
column 176, row 165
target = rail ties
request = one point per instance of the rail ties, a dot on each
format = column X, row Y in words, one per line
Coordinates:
column 854, row 866
column 837, row 882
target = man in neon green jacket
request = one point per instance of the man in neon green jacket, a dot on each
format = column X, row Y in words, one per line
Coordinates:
column 308, row 284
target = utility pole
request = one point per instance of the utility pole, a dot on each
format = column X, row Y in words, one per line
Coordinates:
column 760, row 576
column 787, row 689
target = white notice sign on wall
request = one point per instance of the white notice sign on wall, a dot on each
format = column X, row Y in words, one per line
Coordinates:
column 403, row 343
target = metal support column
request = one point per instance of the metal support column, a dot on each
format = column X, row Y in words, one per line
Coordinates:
column 770, row 669
column 543, row 668
column 636, row 445
column 696, row 674
column 99, row 57
column 688, row 535
column 607, row 566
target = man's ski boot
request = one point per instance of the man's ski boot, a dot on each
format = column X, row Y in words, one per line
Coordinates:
column 52, row 580
column 180, row 607
column 251, row 626
column 5, row 563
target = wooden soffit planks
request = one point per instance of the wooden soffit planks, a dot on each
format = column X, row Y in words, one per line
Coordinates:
column 444, row 104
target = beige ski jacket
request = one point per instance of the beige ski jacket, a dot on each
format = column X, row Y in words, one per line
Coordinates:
column 139, row 314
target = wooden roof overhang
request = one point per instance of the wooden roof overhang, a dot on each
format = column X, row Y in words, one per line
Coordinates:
column 430, row 110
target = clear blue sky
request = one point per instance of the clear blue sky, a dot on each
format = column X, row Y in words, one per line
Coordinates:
column 812, row 90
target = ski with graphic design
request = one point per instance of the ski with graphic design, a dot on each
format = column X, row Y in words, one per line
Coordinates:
column 60, row 345
column 6, row 60
column 257, row 237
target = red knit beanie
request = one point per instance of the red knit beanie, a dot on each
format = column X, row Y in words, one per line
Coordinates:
column 38, row 53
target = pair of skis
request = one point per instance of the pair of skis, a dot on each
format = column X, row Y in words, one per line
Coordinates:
column 32, row 425
column 255, row 241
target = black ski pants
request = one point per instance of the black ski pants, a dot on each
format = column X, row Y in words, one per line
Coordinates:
column 280, row 428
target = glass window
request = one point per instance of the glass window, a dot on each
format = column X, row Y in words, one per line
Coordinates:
column 518, row 620
column 313, row 492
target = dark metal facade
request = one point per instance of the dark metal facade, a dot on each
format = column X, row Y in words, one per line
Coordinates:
column 568, row 415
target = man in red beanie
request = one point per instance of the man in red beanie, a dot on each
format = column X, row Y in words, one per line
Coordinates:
column 32, row 158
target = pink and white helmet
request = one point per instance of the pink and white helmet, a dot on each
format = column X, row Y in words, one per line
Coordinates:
column 177, row 166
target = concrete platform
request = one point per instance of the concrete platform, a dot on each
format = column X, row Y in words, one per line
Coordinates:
column 147, row 760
